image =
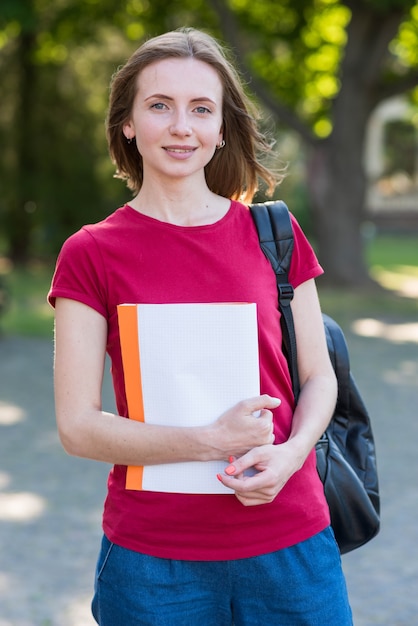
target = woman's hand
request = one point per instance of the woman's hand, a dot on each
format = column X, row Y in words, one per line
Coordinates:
column 246, row 425
column 260, row 474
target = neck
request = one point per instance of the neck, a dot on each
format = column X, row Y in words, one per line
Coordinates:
column 180, row 205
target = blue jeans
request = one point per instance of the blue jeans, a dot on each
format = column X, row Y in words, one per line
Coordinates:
column 299, row 586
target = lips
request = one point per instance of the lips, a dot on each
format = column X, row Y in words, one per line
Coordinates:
column 180, row 149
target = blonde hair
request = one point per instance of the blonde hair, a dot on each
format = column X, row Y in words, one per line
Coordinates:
column 234, row 171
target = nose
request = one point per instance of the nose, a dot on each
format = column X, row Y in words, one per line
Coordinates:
column 180, row 124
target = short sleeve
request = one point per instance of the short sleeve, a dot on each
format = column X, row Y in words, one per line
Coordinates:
column 79, row 273
column 304, row 265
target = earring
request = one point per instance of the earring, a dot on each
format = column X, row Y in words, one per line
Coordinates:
column 129, row 140
column 220, row 145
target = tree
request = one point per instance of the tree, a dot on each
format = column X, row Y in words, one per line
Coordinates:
column 56, row 60
column 52, row 106
column 321, row 67
column 18, row 213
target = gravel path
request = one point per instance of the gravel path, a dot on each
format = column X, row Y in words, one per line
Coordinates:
column 50, row 504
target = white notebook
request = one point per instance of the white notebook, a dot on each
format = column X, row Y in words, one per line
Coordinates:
column 184, row 365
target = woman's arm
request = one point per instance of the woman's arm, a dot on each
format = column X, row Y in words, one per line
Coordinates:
column 318, row 383
column 87, row 431
column 312, row 414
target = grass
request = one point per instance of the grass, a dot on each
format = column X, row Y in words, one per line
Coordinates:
column 27, row 311
column 393, row 264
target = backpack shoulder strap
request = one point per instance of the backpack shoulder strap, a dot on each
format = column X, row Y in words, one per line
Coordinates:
column 276, row 238
column 275, row 233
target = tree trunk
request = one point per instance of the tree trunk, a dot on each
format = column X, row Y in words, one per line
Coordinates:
column 337, row 185
column 20, row 215
column 336, row 174
column 337, row 191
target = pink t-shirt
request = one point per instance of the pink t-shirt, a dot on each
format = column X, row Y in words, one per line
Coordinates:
column 130, row 257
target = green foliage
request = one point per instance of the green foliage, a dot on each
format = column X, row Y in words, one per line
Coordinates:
column 405, row 46
column 54, row 152
column 297, row 48
column 56, row 59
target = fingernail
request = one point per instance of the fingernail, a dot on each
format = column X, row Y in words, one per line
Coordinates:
column 230, row 470
column 231, row 459
column 218, row 476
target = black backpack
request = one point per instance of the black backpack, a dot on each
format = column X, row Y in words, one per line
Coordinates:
column 346, row 458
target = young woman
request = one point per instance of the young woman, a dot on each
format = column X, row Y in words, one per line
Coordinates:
column 181, row 133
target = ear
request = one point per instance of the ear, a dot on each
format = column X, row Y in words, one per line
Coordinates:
column 221, row 135
column 129, row 130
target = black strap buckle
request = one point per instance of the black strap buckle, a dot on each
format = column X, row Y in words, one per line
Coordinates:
column 286, row 293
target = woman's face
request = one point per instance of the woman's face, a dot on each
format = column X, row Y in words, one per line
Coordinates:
column 176, row 117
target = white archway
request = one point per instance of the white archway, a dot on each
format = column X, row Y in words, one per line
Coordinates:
column 400, row 191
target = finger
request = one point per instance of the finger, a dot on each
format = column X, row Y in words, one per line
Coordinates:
column 251, row 405
column 252, row 501
column 269, row 416
column 242, row 483
column 237, row 467
column 250, row 490
column 248, row 461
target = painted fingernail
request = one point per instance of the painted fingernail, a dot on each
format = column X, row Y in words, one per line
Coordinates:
column 218, row 476
column 230, row 470
column 231, row 459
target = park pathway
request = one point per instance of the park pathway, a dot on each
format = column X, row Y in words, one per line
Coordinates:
column 50, row 504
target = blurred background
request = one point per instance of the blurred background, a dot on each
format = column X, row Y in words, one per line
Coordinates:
column 337, row 83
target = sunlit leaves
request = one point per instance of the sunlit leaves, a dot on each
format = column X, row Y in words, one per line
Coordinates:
column 322, row 127
column 50, row 51
column 10, row 32
column 270, row 16
column 135, row 31
column 405, row 46
column 327, row 24
column 324, row 37
column 297, row 47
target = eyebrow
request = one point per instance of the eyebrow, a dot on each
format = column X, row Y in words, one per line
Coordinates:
column 164, row 97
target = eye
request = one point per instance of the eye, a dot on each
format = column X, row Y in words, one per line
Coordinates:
column 202, row 110
column 159, row 106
